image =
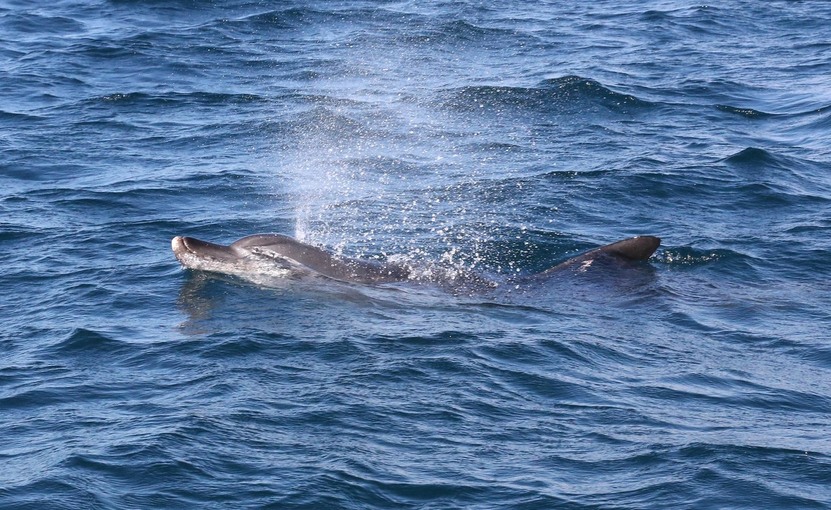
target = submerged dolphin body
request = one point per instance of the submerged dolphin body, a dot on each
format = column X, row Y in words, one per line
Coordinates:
column 279, row 255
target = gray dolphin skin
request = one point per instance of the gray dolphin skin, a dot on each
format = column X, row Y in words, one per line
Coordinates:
column 277, row 255
column 280, row 255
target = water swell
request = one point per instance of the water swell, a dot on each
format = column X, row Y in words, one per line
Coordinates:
column 570, row 94
column 197, row 98
column 33, row 25
column 292, row 17
column 21, row 118
column 745, row 112
column 754, row 156
column 776, row 178
column 799, row 108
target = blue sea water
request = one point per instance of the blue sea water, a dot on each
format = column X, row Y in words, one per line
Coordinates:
column 496, row 137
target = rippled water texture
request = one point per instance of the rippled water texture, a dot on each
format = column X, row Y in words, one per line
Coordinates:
column 486, row 137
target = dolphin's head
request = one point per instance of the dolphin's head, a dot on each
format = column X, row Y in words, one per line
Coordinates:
column 190, row 246
column 196, row 254
column 238, row 258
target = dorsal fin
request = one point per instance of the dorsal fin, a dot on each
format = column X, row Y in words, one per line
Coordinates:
column 634, row 248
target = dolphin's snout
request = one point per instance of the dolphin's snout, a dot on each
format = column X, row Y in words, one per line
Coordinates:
column 178, row 244
column 191, row 246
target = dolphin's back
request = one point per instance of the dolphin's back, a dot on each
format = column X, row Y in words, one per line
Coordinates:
column 322, row 261
column 634, row 248
column 287, row 251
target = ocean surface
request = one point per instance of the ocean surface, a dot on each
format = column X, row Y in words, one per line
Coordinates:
column 494, row 137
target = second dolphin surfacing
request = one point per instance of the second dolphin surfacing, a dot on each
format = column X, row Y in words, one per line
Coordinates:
column 276, row 254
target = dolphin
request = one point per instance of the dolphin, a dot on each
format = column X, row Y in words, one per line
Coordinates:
column 281, row 255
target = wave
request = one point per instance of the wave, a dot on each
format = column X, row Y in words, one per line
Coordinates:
column 83, row 341
column 568, row 94
column 20, row 117
column 754, row 157
column 751, row 113
column 734, row 392
column 748, row 113
column 33, row 24
column 199, row 98
column 458, row 34
column 766, row 178
column 794, row 108
column 292, row 17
